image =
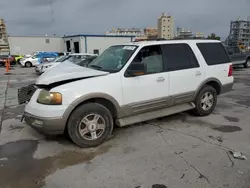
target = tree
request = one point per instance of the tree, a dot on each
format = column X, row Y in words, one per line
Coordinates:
column 213, row 36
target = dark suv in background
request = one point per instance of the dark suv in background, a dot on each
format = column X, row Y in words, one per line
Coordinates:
column 239, row 57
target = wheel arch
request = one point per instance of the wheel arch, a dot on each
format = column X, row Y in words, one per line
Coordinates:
column 214, row 82
column 106, row 100
column 28, row 62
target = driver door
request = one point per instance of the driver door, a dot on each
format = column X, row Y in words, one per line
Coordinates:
column 150, row 90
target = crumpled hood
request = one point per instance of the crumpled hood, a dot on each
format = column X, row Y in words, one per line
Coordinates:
column 67, row 71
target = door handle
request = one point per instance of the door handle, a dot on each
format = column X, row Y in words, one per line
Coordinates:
column 197, row 73
column 160, row 79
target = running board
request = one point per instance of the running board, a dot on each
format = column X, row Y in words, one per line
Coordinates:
column 155, row 114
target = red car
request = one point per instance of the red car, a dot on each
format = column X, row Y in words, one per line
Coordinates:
column 4, row 58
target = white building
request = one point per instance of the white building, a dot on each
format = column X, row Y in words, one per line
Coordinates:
column 28, row 44
column 92, row 43
column 76, row 43
column 126, row 32
column 166, row 26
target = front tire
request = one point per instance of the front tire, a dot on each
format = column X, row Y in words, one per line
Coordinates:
column 247, row 64
column 205, row 101
column 90, row 125
column 28, row 64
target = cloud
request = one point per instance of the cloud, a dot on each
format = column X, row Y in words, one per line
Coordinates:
column 97, row 16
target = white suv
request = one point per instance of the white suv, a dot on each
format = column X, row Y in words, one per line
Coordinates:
column 128, row 84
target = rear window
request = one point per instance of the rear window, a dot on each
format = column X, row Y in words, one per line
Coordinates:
column 213, row 53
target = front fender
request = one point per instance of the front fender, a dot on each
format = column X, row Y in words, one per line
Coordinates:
column 86, row 97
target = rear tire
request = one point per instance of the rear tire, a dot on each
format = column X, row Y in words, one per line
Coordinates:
column 247, row 64
column 28, row 64
column 90, row 125
column 205, row 101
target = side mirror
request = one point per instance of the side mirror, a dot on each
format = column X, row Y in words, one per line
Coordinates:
column 136, row 69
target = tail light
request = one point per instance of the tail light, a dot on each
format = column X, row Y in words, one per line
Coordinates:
column 230, row 71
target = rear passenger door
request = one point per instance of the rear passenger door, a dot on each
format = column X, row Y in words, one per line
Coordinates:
column 185, row 73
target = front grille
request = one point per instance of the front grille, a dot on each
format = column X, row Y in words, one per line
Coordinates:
column 25, row 93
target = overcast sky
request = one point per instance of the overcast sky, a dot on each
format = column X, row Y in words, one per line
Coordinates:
column 34, row 17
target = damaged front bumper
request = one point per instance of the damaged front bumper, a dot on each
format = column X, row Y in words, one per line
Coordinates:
column 24, row 94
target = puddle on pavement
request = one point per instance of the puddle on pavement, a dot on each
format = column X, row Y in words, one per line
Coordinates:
column 227, row 129
column 232, row 119
column 159, row 186
column 240, row 99
column 23, row 171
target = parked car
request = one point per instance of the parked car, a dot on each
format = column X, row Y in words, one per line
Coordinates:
column 85, row 62
column 41, row 67
column 18, row 58
column 36, row 59
column 128, row 84
column 4, row 58
column 71, row 58
column 238, row 57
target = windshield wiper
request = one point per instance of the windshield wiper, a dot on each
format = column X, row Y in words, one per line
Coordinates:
column 96, row 67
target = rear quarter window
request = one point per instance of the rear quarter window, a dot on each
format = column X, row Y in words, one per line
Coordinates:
column 213, row 53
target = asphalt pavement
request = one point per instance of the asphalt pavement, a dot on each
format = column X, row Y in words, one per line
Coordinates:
column 176, row 151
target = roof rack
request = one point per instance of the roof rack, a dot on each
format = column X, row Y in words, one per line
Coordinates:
column 158, row 39
column 163, row 39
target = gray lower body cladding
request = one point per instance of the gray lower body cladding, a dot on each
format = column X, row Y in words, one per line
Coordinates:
column 47, row 126
column 128, row 114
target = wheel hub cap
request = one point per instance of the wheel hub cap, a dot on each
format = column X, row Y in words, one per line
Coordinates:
column 207, row 101
column 92, row 127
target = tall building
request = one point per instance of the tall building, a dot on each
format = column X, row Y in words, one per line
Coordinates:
column 239, row 34
column 4, row 47
column 166, row 26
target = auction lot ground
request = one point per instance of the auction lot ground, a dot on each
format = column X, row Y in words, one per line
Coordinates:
column 175, row 152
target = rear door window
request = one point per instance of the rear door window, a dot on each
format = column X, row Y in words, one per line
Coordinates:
column 179, row 57
column 213, row 53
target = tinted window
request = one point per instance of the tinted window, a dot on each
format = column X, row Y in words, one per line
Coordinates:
column 151, row 56
column 213, row 53
column 179, row 56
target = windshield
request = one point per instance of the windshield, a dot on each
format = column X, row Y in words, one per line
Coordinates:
column 114, row 58
column 85, row 62
column 76, row 58
column 62, row 59
column 34, row 53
